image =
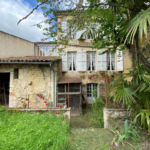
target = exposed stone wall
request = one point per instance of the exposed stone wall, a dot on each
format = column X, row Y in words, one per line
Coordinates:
column 33, row 79
column 113, row 113
column 12, row 46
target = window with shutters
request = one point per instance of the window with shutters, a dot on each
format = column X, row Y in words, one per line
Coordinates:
column 71, row 61
column 90, row 88
column 91, row 60
column 111, row 61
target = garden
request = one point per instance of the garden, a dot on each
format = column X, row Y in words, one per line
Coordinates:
column 30, row 131
column 49, row 130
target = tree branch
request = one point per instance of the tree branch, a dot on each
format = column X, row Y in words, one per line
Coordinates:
column 104, row 4
column 31, row 11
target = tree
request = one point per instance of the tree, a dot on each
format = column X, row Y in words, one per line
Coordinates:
column 121, row 23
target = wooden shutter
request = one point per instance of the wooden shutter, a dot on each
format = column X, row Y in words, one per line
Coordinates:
column 101, row 61
column 82, row 59
column 64, row 28
column 64, row 61
column 119, row 60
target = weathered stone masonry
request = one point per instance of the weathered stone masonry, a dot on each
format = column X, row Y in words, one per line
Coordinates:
column 33, row 79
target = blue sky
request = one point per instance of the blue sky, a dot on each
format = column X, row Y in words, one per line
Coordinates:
column 33, row 3
column 12, row 11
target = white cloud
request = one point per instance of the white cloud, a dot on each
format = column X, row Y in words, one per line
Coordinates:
column 12, row 11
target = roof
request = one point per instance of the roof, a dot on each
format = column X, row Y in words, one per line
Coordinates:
column 69, row 80
column 50, row 42
column 30, row 59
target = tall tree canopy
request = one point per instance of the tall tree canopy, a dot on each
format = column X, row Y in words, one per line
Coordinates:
column 110, row 23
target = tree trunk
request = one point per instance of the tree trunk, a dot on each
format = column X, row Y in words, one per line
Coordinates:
column 134, row 49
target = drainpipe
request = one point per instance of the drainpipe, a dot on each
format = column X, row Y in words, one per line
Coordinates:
column 53, row 84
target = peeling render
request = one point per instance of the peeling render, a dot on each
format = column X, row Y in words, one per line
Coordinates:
column 33, row 79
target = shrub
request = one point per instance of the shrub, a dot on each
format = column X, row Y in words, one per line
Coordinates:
column 98, row 105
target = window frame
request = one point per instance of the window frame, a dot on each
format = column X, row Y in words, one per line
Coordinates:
column 92, row 88
column 91, row 61
column 15, row 73
column 110, row 56
column 71, row 61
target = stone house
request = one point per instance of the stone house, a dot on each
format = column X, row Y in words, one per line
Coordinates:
column 29, row 71
column 24, row 73
column 80, row 60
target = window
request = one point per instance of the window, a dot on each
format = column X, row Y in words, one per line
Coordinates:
column 64, row 28
column 71, row 61
column 90, row 88
column 16, row 73
column 71, row 31
column 110, row 61
column 91, row 60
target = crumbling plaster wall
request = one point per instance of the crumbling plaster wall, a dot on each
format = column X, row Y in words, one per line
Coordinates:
column 33, row 79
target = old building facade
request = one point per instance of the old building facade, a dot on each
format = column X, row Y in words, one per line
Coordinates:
column 27, row 70
column 24, row 73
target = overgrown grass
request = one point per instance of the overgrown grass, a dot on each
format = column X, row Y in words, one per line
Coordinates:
column 32, row 131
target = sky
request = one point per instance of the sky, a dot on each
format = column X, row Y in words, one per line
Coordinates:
column 12, row 11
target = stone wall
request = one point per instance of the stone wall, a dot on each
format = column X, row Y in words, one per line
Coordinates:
column 113, row 113
column 12, row 46
column 33, row 80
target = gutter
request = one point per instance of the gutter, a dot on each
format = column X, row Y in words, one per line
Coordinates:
column 53, row 84
column 35, row 63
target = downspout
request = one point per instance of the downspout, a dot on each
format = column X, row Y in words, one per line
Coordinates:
column 53, row 84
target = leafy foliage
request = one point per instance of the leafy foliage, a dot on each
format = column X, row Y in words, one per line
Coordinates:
column 138, row 24
column 98, row 105
column 129, row 133
column 145, row 119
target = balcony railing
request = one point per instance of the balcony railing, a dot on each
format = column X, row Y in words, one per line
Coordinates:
column 46, row 50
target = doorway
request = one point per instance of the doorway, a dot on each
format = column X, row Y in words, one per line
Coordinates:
column 4, row 88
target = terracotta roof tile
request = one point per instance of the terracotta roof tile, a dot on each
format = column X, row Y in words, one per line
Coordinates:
column 30, row 59
column 69, row 80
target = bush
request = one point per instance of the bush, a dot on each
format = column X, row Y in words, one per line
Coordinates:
column 98, row 105
column 26, row 131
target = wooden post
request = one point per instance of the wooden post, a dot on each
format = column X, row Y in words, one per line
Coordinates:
column 4, row 93
column 68, row 95
column 106, row 91
column 28, row 101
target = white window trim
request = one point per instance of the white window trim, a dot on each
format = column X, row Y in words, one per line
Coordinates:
column 91, row 60
column 92, row 89
column 114, row 63
column 72, row 61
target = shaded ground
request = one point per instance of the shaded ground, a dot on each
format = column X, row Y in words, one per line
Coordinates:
column 94, row 139
column 86, row 120
column 83, row 121
column 86, row 135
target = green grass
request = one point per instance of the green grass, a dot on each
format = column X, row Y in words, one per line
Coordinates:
column 95, row 139
column 32, row 131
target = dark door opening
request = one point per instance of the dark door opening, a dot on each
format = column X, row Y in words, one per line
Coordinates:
column 4, row 88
